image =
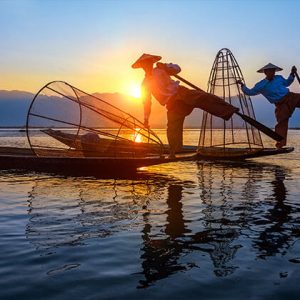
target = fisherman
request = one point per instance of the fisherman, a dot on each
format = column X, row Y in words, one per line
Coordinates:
column 179, row 100
column 274, row 88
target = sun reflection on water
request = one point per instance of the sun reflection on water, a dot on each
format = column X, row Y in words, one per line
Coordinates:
column 137, row 136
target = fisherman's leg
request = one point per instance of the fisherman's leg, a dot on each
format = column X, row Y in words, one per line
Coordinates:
column 296, row 97
column 284, row 110
column 175, row 132
column 282, row 129
column 210, row 103
column 282, row 116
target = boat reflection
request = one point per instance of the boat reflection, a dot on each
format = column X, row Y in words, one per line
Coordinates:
column 232, row 202
column 230, row 209
column 68, row 211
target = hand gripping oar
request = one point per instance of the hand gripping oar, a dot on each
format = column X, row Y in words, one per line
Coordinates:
column 266, row 130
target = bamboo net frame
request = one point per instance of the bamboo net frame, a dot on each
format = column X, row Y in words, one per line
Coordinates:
column 235, row 136
column 63, row 120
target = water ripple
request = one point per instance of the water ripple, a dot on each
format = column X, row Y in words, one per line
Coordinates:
column 192, row 228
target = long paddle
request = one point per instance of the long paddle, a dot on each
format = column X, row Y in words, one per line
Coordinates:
column 266, row 130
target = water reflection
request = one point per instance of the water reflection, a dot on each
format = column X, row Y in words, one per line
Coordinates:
column 233, row 200
column 218, row 185
column 183, row 225
column 275, row 234
column 161, row 252
column 68, row 211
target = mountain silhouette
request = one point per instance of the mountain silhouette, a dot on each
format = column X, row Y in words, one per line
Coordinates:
column 14, row 106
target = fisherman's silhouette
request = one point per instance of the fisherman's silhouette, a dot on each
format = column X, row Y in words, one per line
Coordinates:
column 276, row 236
column 230, row 207
column 160, row 256
column 228, row 210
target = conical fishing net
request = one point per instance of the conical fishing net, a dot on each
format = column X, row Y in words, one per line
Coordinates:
column 65, row 121
column 235, row 136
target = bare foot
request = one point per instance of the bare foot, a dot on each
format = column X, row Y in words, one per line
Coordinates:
column 172, row 156
column 279, row 145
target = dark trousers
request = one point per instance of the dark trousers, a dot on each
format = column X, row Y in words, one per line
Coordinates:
column 283, row 111
column 183, row 104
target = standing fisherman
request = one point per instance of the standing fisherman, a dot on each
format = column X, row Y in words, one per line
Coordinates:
column 274, row 88
column 179, row 100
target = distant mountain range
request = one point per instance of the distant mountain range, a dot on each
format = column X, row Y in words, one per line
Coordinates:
column 14, row 106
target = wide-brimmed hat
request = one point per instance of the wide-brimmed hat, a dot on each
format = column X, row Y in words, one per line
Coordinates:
column 145, row 57
column 269, row 66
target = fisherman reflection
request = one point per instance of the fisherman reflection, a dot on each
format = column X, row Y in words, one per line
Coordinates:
column 162, row 251
column 267, row 221
column 160, row 256
column 276, row 235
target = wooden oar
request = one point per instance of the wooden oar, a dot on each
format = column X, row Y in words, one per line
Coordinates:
column 266, row 130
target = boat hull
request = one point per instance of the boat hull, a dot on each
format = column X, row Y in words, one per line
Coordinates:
column 240, row 154
column 24, row 159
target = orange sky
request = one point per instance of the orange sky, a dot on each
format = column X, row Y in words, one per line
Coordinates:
column 92, row 44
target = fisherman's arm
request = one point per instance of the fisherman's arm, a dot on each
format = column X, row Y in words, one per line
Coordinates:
column 254, row 91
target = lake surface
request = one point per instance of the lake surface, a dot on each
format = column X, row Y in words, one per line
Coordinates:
column 189, row 230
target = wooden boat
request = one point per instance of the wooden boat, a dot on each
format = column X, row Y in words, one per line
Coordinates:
column 70, row 163
column 92, row 149
column 220, row 140
column 109, row 147
column 216, row 153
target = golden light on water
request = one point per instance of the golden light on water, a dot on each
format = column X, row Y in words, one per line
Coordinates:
column 137, row 136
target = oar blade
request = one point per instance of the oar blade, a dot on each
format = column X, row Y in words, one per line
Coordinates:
column 266, row 130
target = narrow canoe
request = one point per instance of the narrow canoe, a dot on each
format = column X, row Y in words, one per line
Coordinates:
column 25, row 159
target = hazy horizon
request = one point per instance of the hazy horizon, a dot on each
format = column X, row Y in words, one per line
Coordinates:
column 16, row 108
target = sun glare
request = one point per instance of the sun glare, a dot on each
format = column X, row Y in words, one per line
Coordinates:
column 135, row 91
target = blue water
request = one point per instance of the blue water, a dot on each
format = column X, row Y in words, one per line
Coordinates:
column 189, row 230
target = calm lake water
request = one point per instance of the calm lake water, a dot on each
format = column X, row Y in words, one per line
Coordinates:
column 190, row 230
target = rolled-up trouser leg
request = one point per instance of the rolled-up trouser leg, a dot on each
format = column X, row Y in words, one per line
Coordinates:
column 283, row 111
column 175, row 131
column 282, row 128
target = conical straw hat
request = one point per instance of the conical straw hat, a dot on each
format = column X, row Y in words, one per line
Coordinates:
column 269, row 66
column 143, row 58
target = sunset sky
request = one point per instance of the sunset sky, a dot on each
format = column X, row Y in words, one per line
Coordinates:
column 93, row 43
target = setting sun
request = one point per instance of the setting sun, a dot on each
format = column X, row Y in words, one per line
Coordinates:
column 135, row 91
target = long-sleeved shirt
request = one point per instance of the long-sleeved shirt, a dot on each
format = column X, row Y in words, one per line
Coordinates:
column 160, row 85
column 273, row 90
